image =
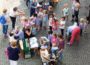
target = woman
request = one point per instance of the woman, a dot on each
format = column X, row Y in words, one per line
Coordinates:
column 33, row 7
column 76, row 9
column 75, row 35
column 27, row 35
column 13, row 53
column 13, row 14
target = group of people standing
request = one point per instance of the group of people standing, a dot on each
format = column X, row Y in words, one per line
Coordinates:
column 42, row 17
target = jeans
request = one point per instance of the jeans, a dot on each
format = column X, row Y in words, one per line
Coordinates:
column 5, row 28
column 60, row 58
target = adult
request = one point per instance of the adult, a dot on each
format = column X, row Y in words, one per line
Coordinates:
column 75, row 35
column 13, row 53
column 27, row 36
column 69, row 31
column 4, row 19
column 13, row 15
column 33, row 7
column 76, row 7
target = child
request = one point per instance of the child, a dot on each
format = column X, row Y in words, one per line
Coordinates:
column 62, row 25
column 50, row 37
column 13, row 53
column 38, row 22
column 31, row 21
column 61, row 44
column 4, row 19
column 65, row 11
column 40, row 14
column 50, row 20
column 82, row 25
column 34, row 30
column 45, row 56
column 11, row 36
column 25, row 22
column 45, row 20
column 44, row 42
column 55, row 25
column 54, row 44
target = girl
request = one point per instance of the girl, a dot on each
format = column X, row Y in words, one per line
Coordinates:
column 13, row 14
column 54, row 44
column 61, row 44
column 55, row 25
column 25, row 22
column 45, row 20
column 62, row 25
column 82, row 25
column 50, row 21
column 45, row 56
column 65, row 11
column 40, row 14
column 38, row 22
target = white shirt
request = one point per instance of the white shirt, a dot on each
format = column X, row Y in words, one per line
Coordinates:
column 40, row 14
column 65, row 11
column 33, row 42
column 62, row 24
column 13, row 14
column 50, row 21
column 71, row 28
column 45, row 54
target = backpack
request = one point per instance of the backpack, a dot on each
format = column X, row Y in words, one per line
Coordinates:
column 2, row 20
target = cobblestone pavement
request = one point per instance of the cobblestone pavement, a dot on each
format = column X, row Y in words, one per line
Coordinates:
column 75, row 55
column 8, row 4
